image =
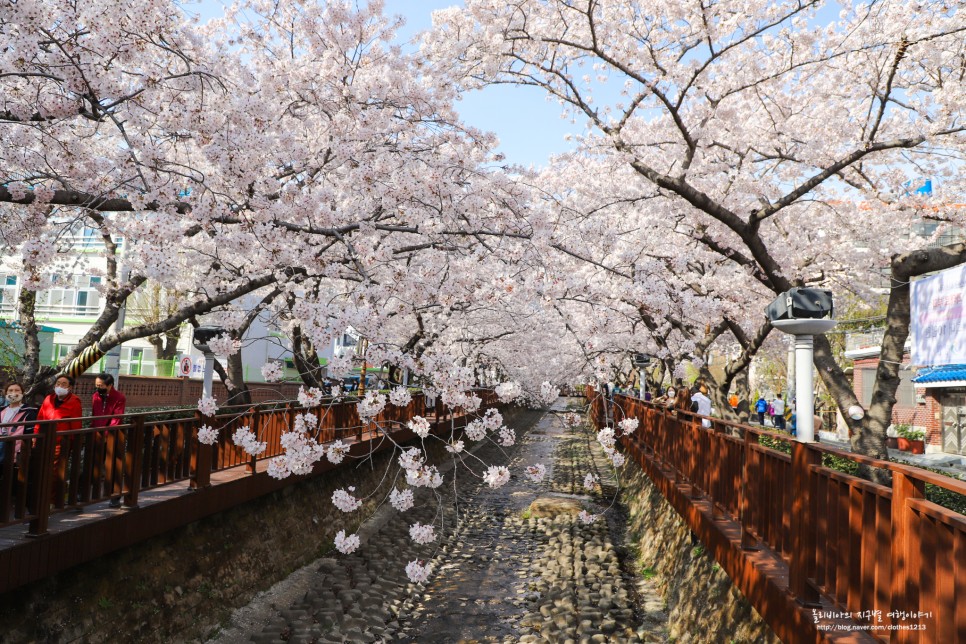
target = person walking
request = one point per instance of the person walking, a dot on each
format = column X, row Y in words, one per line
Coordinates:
column 703, row 404
column 109, row 404
column 778, row 412
column 760, row 408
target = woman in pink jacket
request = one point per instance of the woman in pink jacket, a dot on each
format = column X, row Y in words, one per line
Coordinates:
column 14, row 412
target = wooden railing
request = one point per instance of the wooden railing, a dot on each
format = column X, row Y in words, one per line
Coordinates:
column 887, row 556
column 47, row 471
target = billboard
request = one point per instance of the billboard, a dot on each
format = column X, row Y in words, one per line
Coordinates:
column 939, row 318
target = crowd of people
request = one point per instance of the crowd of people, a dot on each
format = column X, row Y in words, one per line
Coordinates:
column 62, row 407
column 767, row 410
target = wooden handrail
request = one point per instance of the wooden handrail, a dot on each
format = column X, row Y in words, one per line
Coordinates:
column 865, row 546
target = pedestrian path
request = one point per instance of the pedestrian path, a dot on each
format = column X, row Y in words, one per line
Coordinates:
column 521, row 567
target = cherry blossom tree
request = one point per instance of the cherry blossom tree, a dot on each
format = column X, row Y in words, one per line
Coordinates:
column 782, row 138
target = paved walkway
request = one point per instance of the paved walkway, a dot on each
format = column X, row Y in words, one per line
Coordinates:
column 520, row 568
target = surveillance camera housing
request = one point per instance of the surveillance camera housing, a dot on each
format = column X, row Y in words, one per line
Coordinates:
column 203, row 334
column 801, row 303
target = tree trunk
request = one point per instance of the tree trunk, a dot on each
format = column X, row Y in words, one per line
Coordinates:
column 306, row 359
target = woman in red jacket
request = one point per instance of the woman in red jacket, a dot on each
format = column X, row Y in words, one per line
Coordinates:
column 62, row 404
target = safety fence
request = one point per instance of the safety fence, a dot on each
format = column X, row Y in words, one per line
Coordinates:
column 891, row 560
column 53, row 466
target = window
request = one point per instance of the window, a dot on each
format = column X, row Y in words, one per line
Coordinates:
column 95, row 281
column 11, row 280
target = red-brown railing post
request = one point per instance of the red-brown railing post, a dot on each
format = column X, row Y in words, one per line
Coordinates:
column 802, row 530
column 200, row 457
column 905, row 548
column 716, row 465
column 134, row 462
column 748, row 541
column 255, row 413
column 38, row 527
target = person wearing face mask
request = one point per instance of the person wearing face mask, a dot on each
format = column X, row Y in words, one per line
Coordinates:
column 62, row 404
column 109, row 403
column 15, row 412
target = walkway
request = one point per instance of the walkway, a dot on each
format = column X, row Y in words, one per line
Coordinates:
column 521, row 567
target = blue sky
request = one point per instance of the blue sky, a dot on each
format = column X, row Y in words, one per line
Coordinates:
column 529, row 128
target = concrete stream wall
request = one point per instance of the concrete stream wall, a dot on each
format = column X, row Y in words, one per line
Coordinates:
column 701, row 603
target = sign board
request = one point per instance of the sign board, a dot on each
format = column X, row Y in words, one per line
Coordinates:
column 938, row 327
column 184, row 366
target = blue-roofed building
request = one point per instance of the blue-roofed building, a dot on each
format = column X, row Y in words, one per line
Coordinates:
column 932, row 399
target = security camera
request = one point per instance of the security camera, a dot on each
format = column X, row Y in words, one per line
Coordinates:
column 802, row 311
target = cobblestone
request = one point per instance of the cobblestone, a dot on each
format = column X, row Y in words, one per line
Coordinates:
column 521, row 567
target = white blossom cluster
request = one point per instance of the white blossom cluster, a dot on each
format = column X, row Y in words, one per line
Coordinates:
column 455, row 447
column 346, row 544
column 422, row 534
column 492, row 420
column 370, row 406
column 537, row 472
column 508, row 392
column 587, row 517
column 246, row 439
column 224, row 345
column 628, row 426
column 336, row 452
column 475, row 430
column 548, row 394
column 343, row 499
column 272, row 371
column 420, row 426
column 307, row 422
column 606, row 438
column 207, row 435
column 571, row 419
column 507, row 437
column 608, row 442
column 590, row 481
column 418, row 572
column 400, row 397
column 402, row 500
column 207, row 406
column 339, row 367
column 311, row 397
column 302, row 451
column 411, row 459
column 424, row 477
column 496, row 476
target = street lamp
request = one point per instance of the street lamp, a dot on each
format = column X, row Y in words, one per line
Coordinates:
column 203, row 335
column 803, row 313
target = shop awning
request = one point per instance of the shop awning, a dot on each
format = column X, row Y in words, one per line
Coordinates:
column 952, row 375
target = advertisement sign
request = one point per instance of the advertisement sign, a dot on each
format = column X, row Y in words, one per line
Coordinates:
column 939, row 318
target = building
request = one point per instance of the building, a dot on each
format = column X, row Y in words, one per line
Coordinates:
column 70, row 306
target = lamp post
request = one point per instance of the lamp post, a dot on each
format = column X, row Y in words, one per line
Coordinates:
column 202, row 335
column 641, row 360
column 803, row 313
